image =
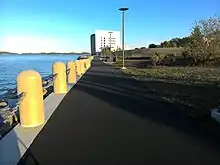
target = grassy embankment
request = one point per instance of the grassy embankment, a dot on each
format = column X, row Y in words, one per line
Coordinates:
column 194, row 87
column 150, row 51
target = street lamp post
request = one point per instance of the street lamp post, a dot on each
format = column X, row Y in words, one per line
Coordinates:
column 123, row 51
column 110, row 44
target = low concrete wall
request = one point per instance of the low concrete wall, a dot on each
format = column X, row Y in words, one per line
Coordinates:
column 17, row 141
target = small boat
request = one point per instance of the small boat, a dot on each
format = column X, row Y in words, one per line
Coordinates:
column 83, row 57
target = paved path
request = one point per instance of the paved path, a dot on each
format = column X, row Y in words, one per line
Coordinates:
column 107, row 120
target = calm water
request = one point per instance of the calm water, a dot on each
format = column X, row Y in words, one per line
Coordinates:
column 12, row 65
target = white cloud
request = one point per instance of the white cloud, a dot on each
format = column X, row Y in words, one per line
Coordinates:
column 35, row 44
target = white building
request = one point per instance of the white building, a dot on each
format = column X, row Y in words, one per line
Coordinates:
column 103, row 38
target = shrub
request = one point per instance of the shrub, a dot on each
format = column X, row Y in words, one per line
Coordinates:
column 157, row 59
column 204, row 41
column 118, row 58
column 154, row 59
column 161, row 59
column 169, row 59
column 152, row 46
column 185, row 53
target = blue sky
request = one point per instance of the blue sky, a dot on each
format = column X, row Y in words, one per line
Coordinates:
column 66, row 25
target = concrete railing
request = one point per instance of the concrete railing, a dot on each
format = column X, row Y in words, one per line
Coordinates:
column 31, row 90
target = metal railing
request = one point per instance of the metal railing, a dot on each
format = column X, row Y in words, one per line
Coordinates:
column 9, row 114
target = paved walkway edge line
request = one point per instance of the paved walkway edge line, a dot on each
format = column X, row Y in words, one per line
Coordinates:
column 14, row 145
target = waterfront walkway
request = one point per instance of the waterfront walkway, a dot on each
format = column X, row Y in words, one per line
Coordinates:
column 108, row 119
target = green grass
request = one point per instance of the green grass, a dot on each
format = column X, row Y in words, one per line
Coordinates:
column 194, row 87
column 148, row 52
column 197, row 89
column 183, row 74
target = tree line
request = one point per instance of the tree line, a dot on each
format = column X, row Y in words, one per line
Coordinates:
column 202, row 27
column 175, row 42
column 202, row 46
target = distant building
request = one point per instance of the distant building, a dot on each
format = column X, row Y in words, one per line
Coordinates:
column 93, row 44
column 103, row 38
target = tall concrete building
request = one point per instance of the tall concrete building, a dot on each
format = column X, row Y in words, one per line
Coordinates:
column 93, row 44
column 105, row 38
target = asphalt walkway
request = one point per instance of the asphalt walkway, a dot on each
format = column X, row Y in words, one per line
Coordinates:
column 108, row 119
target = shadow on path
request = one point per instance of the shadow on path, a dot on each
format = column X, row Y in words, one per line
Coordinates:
column 134, row 101
column 107, row 118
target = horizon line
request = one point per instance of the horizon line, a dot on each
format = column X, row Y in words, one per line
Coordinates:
column 42, row 52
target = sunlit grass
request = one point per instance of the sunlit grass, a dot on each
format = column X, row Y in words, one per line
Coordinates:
column 186, row 74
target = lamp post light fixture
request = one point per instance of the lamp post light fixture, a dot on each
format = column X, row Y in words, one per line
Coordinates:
column 123, row 51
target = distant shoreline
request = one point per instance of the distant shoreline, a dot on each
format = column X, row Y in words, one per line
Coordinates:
column 7, row 53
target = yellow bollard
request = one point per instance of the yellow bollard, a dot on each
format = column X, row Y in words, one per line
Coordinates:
column 32, row 106
column 82, row 67
column 72, row 75
column 89, row 63
column 84, row 64
column 60, row 85
column 78, row 68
